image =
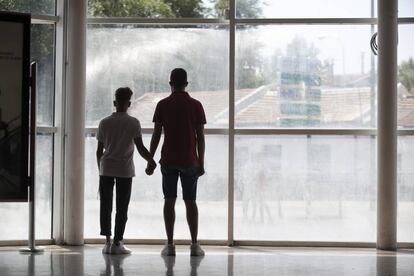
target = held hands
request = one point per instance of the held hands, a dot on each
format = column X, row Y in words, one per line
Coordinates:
column 150, row 167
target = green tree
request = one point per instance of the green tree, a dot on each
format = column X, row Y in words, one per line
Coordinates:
column 244, row 8
column 125, row 8
column 31, row 6
column 406, row 74
column 249, row 65
column 171, row 8
column 187, row 8
column 147, row 8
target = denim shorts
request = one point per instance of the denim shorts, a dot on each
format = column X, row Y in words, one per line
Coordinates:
column 188, row 177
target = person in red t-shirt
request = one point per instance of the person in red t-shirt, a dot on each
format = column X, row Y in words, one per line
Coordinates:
column 182, row 155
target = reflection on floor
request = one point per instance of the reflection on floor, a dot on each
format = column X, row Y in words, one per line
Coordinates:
column 146, row 260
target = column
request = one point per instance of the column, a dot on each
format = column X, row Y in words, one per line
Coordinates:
column 387, row 124
column 75, row 122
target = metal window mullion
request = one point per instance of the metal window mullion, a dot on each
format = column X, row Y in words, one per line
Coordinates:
column 46, row 130
column 217, row 21
column 405, row 132
column 354, row 132
column 157, row 21
column 232, row 70
column 276, row 131
column 208, row 131
column 44, row 19
column 406, row 20
column 59, row 123
column 305, row 21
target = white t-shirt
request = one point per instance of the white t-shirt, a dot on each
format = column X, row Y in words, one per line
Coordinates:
column 117, row 133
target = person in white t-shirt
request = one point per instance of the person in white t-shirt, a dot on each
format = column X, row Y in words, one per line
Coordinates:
column 116, row 137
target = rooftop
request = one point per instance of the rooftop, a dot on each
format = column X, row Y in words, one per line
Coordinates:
column 265, row 107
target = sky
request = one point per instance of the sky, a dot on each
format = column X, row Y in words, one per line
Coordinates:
column 344, row 44
column 328, row 8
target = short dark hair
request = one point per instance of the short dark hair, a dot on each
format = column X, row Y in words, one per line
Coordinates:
column 123, row 94
column 178, row 77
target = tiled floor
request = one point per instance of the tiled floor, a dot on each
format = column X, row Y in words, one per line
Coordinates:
column 146, row 260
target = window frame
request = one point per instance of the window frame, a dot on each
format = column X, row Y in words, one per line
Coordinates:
column 50, row 129
column 232, row 22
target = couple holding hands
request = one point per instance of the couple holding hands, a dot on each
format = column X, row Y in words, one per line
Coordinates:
column 182, row 156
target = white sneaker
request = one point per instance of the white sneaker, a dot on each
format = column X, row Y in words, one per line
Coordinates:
column 119, row 249
column 196, row 249
column 168, row 250
column 107, row 248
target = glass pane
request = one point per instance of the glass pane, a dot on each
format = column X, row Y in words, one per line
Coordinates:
column 405, row 8
column 405, row 144
column 303, row 8
column 324, row 184
column 43, row 52
column 17, row 214
column 145, row 220
column 304, row 77
column 405, row 76
column 143, row 57
column 405, row 189
column 158, row 8
column 37, row 7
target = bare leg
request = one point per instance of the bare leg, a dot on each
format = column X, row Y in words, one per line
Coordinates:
column 169, row 218
column 192, row 218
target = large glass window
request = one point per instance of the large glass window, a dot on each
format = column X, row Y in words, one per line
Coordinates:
column 158, row 8
column 145, row 210
column 405, row 188
column 315, row 188
column 405, row 8
column 405, row 143
column 309, row 77
column 17, row 214
column 406, row 77
column 36, row 7
column 304, row 77
column 303, row 8
column 43, row 52
column 143, row 57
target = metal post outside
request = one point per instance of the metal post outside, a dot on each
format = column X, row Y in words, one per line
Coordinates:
column 32, row 164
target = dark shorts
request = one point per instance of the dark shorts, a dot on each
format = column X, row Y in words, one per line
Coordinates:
column 188, row 176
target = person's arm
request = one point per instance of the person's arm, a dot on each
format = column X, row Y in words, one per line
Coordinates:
column 155, row 140
column 142, row 150
column 201, row 146
column 99, row 153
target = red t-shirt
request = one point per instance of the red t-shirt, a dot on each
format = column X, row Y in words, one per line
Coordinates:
column 179, row 114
